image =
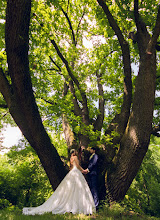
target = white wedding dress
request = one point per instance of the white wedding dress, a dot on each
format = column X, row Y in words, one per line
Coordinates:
column 72, row 195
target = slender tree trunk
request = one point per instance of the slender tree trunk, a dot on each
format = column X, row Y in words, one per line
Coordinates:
column 69, row 136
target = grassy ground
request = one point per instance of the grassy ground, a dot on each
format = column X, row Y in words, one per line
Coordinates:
column 115, row 213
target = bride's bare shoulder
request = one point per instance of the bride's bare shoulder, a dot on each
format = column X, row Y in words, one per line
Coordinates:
column 75, row 157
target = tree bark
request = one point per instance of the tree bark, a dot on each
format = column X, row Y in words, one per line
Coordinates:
column 136, row 136
column 135, row 141
column 19, row 95
column 120, row 121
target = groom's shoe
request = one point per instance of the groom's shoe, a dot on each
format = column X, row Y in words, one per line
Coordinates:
column 97, row 209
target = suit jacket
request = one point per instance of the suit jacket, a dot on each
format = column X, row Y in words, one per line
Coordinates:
column 92, row 167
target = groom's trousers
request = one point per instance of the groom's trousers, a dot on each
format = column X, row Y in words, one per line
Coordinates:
column 92, row 182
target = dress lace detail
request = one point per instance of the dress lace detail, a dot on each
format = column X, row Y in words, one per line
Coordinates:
column 72, row 195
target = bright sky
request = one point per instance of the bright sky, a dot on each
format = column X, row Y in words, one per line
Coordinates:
column 11, row 136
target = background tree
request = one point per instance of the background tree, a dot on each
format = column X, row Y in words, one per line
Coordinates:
column 143, row 193
column 90, row 91
column 23, row 179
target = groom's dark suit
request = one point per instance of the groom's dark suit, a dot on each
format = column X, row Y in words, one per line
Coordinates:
column 92, row 177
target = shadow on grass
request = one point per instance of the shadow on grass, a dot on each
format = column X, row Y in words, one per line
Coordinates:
column 105, row 213
column 17, row 215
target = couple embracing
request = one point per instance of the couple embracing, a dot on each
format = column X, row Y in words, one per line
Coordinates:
column 73, row 194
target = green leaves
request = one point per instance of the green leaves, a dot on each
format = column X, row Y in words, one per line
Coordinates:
column 145, row 189
column 23, row 181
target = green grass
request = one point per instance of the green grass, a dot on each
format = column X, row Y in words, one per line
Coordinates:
column 114, row 213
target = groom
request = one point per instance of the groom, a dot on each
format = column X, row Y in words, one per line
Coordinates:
column 92, row 175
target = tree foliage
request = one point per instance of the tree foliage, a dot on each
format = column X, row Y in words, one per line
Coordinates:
column 23, row 179
column 84, row 76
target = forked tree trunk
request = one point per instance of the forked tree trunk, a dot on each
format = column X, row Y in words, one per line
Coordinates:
column 135, row 141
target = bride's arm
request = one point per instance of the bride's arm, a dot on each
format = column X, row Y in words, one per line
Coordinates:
column 77, row 164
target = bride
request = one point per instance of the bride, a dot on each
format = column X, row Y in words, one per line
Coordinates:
column 72, row 195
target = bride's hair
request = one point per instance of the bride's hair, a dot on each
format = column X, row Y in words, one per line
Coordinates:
column 72, row 151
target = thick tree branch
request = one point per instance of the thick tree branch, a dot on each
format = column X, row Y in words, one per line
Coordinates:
column 85, row 111
column 127, row 98
column 48, row 101
column 65, row 90
column 143, row 37
column 136, row 14
column 69, row 135
column 157, row 27
column 156, row 32
column 68, row 5
column 99, row 121
column 141, row 27
column 79, row 25
column 112, row 22
column 59, row 69
column 77, row 109
column 66, row 64
column 5, row 88
column 70, row 25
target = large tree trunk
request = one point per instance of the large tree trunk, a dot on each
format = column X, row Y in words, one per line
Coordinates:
column 135, row 141
column 19, row 95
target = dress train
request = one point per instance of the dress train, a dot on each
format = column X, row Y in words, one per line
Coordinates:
column 72, row 195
